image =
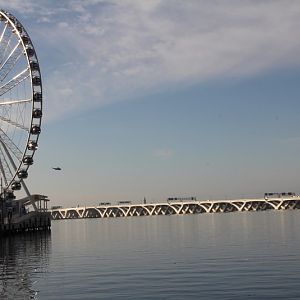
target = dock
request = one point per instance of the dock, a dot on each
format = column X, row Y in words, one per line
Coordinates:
column 18, row 217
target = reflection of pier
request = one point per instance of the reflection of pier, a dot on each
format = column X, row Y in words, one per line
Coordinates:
column 22, row 260
column 176, row 208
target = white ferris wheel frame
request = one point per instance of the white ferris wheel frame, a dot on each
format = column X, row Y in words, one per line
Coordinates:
column 14, row 160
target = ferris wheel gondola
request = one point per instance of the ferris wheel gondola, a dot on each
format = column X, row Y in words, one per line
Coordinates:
column 20, row 102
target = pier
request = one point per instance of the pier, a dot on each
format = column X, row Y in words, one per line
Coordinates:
column 17, row 217
column 176, row 208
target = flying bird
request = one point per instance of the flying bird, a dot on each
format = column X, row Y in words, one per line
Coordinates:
column 56, row 168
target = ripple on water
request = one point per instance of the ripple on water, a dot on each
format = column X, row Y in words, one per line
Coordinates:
column 218, row 256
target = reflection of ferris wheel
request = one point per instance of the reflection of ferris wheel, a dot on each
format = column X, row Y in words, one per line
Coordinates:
column 20, row 102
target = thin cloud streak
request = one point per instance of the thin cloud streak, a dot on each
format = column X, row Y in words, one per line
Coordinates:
column 99, row 52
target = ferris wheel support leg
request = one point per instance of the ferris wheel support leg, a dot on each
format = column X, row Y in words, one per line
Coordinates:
column 22, row 182
column 2, row 172
column 29, row 195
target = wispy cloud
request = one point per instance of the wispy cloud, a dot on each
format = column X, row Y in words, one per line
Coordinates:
column 96, row 52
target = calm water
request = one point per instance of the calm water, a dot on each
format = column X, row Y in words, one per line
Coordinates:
column 212, row 256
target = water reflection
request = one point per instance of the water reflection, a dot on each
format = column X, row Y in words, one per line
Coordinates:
column 210, row 256
column 23, row 260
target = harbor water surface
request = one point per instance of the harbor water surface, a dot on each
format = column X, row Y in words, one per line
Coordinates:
column 254, row 255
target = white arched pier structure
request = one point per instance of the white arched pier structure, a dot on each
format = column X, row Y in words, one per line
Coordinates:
column 176, row 208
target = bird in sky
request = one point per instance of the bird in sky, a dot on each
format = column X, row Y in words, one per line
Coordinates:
column 56, row 168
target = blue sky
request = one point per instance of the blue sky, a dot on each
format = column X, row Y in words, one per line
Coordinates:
column 165, row 98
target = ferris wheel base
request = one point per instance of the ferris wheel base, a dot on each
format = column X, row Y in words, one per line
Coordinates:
column 20, row 219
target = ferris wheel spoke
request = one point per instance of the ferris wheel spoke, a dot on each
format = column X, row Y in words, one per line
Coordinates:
column 3, row 32
column 11, row 122
column 4, row 42
column 11, row 60
column 2, row 37
column 2, row 171
column 5, row 172
column 4, row 166
column 10, row 102
column 14, row 81
column 7, row 142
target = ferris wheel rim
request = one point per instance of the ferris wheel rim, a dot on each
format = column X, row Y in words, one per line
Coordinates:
column 32, row 72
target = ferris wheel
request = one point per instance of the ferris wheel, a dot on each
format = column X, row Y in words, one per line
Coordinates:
column 20, row 102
